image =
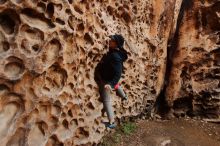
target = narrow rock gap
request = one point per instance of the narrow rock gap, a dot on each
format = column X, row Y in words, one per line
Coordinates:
column 161, row 105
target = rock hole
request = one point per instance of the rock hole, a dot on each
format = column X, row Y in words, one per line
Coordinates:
column 4, row 89
column 4, row 47
column 56, row 110
column 81, row 120
column 41, row 6
column 127, row 87
column 68, row 11
column 63, row 115
column 90, row 106
column 57, row 103
column 80, row 27
column 126, row 17
column 54, row 80
column 35, row 19
column 7, row 23
column 53, row 48
column 211, row 12
column 87, row 6
column 32, row 33
column 61, row 22
column 59, row 7
column 50, row 9
column 110, row 10
column 121, row 8
column 54, row 120
column 42, row 127
column 2, row 1
column 217, row 61
column 74, row 123
column 153, row 91
column 126, row 7
column 82, row 132
column 97, row 35
column 198, row 49
column 70, row 113
column 14, row 67
column 78, row 10
column 183, row 104
column 102, row 21
column 53, row 141
column 65, row 33
column 25, row 46
column 65, row 124
column 46, row 88
column 88, row 38
column 70, row 1
column 114, row 17
column 216, row 55
column 35, row 48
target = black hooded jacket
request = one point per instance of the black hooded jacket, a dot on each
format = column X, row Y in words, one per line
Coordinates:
column 111, row 66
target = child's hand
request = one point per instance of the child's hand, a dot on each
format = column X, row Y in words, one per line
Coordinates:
column 107, row 86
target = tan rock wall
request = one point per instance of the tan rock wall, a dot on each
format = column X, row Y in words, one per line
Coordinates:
column 48, row 54
column 194, row 85
column 49, row 51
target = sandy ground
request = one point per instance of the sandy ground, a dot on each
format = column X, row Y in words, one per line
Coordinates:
column 177, row 132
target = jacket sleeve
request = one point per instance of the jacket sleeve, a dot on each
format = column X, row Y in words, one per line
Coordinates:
column 117, row 69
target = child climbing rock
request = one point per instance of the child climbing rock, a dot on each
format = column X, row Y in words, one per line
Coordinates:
column 110, row 70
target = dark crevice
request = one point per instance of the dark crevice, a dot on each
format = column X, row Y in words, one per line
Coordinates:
column 33, row 14
column 88, row 38
column 70, row 1
column 61, row 22
column 2, row 1
column 126, row 17
column 77, row 9
column 50, row 10
column 8, row 20
column 161, row 104
column 183, row 104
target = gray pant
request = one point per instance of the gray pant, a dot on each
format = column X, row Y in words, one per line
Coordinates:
column 107, row 101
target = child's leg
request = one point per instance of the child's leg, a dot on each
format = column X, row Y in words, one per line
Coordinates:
column 121, row 93
column 105, row 93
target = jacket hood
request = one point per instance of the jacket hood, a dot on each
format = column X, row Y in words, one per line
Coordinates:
column 121, row 53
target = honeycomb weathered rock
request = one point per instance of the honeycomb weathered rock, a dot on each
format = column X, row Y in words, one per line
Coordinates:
column 48, row 54
column 49, row 50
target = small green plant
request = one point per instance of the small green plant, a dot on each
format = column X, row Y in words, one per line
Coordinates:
column 115, row 138
column 128, row 128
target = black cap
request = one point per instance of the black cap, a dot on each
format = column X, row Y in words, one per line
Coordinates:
column 119, row 39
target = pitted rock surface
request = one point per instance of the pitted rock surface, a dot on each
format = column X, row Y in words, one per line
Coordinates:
column 49, row 50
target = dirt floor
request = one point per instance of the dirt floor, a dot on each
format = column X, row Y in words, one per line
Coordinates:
column 177, row 132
